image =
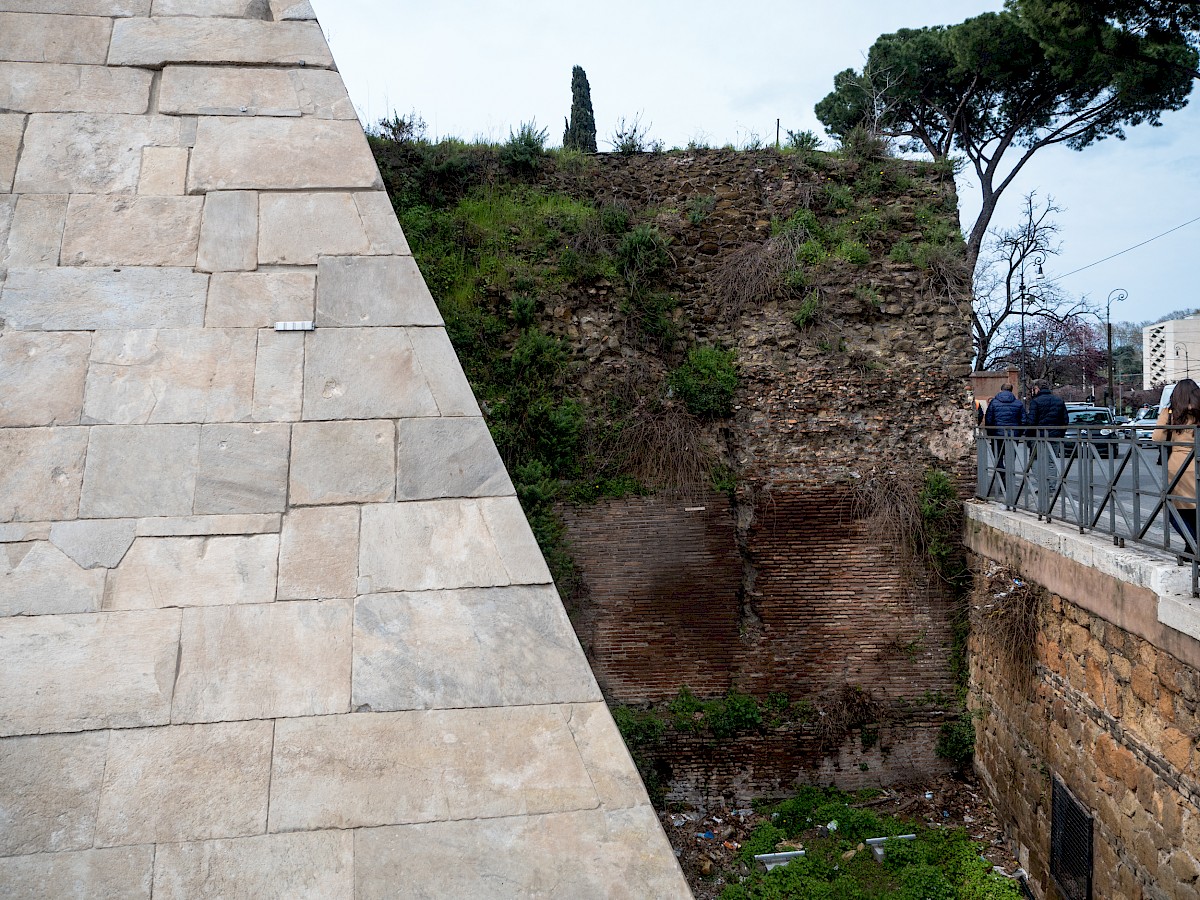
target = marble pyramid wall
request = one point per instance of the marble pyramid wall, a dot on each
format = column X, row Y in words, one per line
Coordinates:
column 272, row 622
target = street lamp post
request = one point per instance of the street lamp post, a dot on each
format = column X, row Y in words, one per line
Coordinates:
column 1038, row 260
column 1187, row 366
column 1114, row 296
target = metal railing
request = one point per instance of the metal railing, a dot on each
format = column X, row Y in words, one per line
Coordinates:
column 1110, row 484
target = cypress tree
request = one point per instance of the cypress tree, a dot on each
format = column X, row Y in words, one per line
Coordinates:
column 581, row 127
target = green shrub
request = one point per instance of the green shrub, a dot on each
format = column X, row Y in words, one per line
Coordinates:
column 839, row 197
column 853, row 252
column 956, row 741
column 706, row 382
column 524, row 311
column 808, row 312
column 614, row 219
column 638, row 727
column 811, row 253
column 642, row 255
column 804, row 141
column 700, row 207
column 524, row 152
column 736, row 714
column 901, row 252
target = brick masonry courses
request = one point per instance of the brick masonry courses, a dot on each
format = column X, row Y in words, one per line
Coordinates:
column 272, row 622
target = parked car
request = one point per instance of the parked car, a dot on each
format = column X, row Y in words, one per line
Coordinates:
column 1093, row 423
column 1142, row 427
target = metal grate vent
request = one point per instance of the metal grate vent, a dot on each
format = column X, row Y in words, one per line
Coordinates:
column 1070, row 844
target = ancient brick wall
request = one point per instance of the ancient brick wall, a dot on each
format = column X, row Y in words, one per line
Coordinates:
column 1116, row 719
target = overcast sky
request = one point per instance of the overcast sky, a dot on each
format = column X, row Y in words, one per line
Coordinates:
column 720, row 72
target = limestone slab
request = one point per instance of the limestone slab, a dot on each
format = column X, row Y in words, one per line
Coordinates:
column 364, row 373
column 448, row 457
column 194, row 571
column 49, row 785
column 114, row 8
column 379, row 221
column 264, row 661
column 43, row 376
column 36, row 38
column 164, row 172
column 49, row 87
column 213, row 90
column 361, row 291
column 140, row 470
column 264, row 153
column 243, row 469
column 40, row 473
column 37, row 579
column 90, row 153
column 171, row 375
column 342, row 462
column 314, row 865
column 278, row 377
column 229, row 236
column 94, row 544
column 50, row 669
column 297, row 12
column 21, row 532
column 440, row 364
column 442, row 544
column 105, row 230
column 370, row 769
column 207, row 526
column 8, row 204
column 12, row 130
column 121, row 873
column 260, row 299
column 507, row 646
column 235, row 9
column 158, row 41
column 586, row 855
column 333, row 227
column 35, row 238
column 604, row 753
column 185, row 783
column 84, row 299
column 318, row 553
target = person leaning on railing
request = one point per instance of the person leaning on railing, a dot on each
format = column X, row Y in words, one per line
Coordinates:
column 1175, row 423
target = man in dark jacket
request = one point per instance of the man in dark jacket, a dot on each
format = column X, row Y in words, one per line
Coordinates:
column 1045, row 418
column 1003, row 420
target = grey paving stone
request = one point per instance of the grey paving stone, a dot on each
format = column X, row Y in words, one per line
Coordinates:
column 122, row 873
column 41, row 470
column 369, row 769
column 43, row 377
column 243, row 469
column 194, row 571
column 444, row 372
column 318, row 553
column 507, row 646
column 441, row 544
column 448, row 457
column 50, row 668
column 104, row 230
column 164, row 172
column 265, row 153
column 171, row 375
column 49, row 785
column 207, row 526
column 260, row 299
column 265, row 661
column 362, row 373
column 47, row 87
column 88, row 153
column 313, row 865
column 236, row 9
column 342, row 462
column 94, row 544
column 31, row 37
column 360, row 291
column 185, row 783
column 159, row 41
column 278, row 376
column 229, row 236
column 114, row 8
column 139, row 470
column 86, row 299
column 333, row 226
column 37, row 579
column 586, row 855
column 35, row 236
column 12, row 129
column 214, row 90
